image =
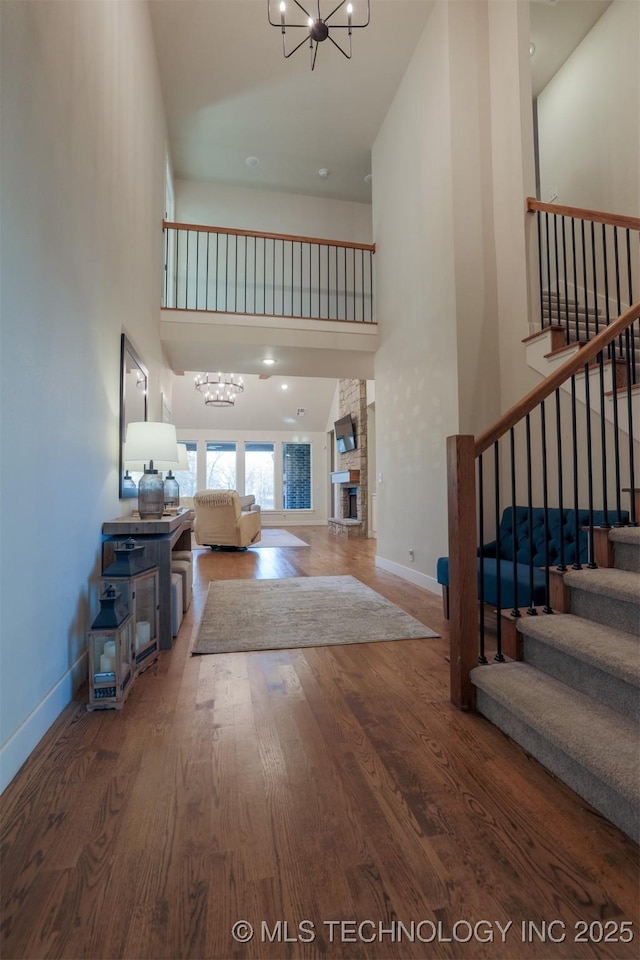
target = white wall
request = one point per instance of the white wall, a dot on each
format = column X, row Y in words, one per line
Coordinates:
column 82, row 163
column 450, row 272
column 246, row 208
column 589, row 119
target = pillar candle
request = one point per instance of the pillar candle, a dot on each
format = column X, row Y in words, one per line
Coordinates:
column 107, row 663
column 143, row 633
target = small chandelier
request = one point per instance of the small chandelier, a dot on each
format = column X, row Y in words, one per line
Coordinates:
column 316, row 26
column 219, row 389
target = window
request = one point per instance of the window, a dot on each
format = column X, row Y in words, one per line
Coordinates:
column 296, row 476
column 188, row 479
column 221, row 466
column 259, row 466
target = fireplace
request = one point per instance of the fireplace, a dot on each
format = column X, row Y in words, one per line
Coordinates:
column 350, row 503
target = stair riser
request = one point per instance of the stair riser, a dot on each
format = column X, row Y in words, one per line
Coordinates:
column 611, row 804
column 627, row 557
column 620, row 614
column 616, row 693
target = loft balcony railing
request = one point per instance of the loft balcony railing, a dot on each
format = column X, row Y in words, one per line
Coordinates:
column 222, row 270
column 588, row 273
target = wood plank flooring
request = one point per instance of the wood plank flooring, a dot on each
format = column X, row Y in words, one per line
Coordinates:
column 334, row 788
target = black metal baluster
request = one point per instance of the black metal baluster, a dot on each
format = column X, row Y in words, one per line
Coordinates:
column 246, row 271
column 337, row 285
column 596, row 314
column 217, row 268
column 282, row 290
column 310, row 282
column 614, row 386
column 548, row 253
column 197, row 265
column 575, row 277
column 206, row 296
column 531, row 610
column 255, row 274
column 632, row 472
column 273, row 278
column 346, row 307
column 328, row 282
column 577, row 564
column 176, row 268
column 186, row 279
column 540, row 278
column 301, row 289
column 166, row 265
column 555, row 251
column 226, row 272
column 634, row 378
column 319, row 280
column 587, row 335
column 481, row 656
column 566, row 281
column 362, row 282
column 499, row 657
column 618, row 297
column 515, row 612
column 561, row 565
column 292, row 296
column 264, row 276
column 545, row 508
column 353, row 257
column 587, row 401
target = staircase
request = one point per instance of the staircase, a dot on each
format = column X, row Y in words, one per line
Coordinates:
column 555, row 342
column 573, row 702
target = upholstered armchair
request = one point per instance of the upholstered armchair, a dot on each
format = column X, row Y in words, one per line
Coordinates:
column 220, row 521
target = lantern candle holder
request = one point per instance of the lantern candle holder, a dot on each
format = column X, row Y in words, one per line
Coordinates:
column 139, row 583
column 110, row 639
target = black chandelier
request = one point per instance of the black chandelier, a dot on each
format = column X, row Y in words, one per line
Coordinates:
column 316, row 26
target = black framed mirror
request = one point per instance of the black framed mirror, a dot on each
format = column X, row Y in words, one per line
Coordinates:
column 134, row 384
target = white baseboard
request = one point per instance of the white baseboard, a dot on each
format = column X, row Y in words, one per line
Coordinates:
column 25, row 739
column 407, row 573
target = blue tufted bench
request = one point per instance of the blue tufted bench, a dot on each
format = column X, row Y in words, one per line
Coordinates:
column 561, row 524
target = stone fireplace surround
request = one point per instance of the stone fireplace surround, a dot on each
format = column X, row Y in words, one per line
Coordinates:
column 351, row 467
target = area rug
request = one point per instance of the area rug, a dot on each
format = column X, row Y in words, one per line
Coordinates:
column 275, row 537
column 244, row 615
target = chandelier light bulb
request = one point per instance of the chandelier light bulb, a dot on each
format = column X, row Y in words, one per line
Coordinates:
column 283, row 7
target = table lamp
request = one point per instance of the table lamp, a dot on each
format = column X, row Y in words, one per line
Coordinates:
column 151, row 443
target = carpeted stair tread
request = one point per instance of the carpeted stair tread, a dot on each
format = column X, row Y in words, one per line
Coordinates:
column 605, row 648
column 602, row 741
column 629, row 535
column 607, row 582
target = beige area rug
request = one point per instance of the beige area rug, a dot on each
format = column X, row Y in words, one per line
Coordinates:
column 274, row 537
column 244, row 615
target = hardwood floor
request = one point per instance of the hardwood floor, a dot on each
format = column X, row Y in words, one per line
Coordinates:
column 321, row 785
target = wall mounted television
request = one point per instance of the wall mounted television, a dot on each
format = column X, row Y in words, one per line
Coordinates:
column 345, row 434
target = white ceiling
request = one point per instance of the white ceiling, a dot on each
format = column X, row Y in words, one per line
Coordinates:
column 263, row 405
column 229, row 93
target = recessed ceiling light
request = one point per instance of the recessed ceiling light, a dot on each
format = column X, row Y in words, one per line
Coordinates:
column 269, row 361
column 323, row 172
column 368, row 178
column 284, row 386
column 532, row 48
column 252, row 162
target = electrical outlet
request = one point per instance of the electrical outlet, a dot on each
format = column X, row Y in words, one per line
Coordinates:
column 412, row 555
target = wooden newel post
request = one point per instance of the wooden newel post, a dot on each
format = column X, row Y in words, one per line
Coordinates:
column 463, row 567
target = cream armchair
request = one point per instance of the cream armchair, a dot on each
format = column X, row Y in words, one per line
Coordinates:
column 220, row 521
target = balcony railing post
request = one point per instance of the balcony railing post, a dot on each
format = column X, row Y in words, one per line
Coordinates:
column 463, row 568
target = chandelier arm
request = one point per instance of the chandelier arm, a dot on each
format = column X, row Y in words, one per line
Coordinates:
column 314, row 54
column 343, row 52
column 335, row 10
column 297, row 47
column 306, row 12
column 349, row 26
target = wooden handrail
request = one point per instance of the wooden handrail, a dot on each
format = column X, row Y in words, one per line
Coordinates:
column 573, row 365
column 612, row 219
column 267, row 236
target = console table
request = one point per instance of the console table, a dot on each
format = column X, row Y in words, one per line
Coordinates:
column 159, row 537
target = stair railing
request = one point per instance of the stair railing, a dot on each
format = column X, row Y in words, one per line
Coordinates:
column 543, row 451
column 218, row 269
column 588, row 271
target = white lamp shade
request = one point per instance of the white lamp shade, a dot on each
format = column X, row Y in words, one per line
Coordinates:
column 147, row 440
column 137, row 466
